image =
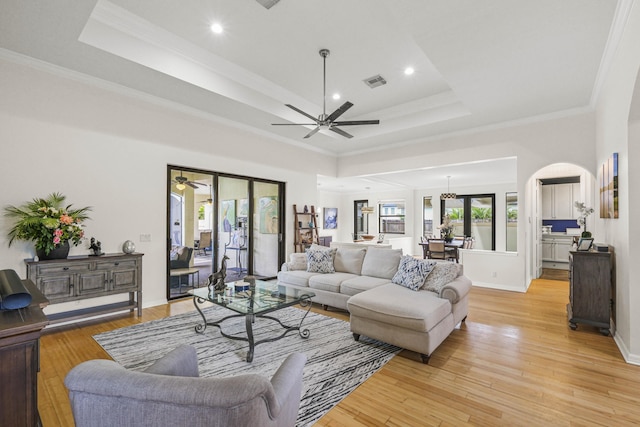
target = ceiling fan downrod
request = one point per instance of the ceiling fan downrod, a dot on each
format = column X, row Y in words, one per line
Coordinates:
column 324, row 53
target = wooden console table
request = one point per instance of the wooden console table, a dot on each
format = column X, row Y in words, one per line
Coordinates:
column 20, row 361
column 591, row 290
column 83, row 277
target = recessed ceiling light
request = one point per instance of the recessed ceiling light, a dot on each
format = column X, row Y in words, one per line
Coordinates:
column 336, row 96
column 409, row 70
column 216, row 28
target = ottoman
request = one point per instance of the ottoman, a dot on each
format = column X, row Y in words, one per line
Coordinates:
column 415, row 320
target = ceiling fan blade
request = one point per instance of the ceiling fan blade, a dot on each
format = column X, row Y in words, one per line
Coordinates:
column 294, row 124
column 357, row 122
column 191, row 184
column 313, row 132
column 302, row 112
column 341, row 132
column 340, row 111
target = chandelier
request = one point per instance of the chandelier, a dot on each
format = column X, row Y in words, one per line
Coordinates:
column 448, row 195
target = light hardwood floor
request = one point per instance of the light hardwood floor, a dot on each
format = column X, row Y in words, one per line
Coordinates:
column 514, row 362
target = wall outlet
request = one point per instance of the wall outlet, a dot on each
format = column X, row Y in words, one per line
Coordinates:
column 494, row 274
column 145, row 237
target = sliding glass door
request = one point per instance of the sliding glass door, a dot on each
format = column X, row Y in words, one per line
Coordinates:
column 213, row 217
column 267, row 226
column 473, row 216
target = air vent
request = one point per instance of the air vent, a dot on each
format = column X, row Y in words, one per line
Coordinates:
column 375, row 81
column 268, row 3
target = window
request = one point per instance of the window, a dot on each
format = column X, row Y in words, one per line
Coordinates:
column 512, row 222
column 391, row 217
column 473, row 216
column 427, row 216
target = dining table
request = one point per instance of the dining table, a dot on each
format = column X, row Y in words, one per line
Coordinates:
column 455, row 243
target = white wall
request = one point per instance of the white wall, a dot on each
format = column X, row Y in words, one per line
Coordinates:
column 111, row 151
column 615, row 134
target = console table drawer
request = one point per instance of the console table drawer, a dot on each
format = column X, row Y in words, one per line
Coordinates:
column 48, row 269
column 113, row 265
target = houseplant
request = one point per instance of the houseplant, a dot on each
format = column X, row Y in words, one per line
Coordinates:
column 49, row 224
column 582, row 218
column 446, row 229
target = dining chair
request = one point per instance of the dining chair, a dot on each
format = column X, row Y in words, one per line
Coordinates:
column 204, row 244
column 439, row 250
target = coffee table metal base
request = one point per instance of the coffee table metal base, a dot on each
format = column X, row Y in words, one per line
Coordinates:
column 249, row 320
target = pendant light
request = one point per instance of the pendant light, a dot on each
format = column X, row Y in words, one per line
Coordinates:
column 448, row 195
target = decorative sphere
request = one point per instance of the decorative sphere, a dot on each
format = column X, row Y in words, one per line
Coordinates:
column 128, row 247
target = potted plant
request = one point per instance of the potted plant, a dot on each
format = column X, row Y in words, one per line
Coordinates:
column 582, row 218
column 446, row 229
column 49, row 224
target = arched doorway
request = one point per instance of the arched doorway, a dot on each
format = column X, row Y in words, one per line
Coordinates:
column 552, row 192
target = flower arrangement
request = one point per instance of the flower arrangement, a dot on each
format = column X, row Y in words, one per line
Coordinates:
column 47, row 223
column 582, row 218
column 446, row 228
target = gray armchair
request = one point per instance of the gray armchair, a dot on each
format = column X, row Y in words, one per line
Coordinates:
column 170, row 393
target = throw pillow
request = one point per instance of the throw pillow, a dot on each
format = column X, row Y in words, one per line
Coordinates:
column 381, row 262
column 443, row 273
column 297, row 261
column 412, row 272
column 320, row 259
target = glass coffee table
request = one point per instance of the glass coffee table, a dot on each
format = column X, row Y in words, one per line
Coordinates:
column 251, row 304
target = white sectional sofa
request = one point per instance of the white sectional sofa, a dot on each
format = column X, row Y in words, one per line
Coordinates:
column 361, row 280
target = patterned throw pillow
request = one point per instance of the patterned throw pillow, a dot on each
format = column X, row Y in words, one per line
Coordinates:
column 412, row 272
column 443, row 273
column 320, row 260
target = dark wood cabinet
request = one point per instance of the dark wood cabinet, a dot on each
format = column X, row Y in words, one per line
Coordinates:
column 19, row 361
column 591, row 289
column 83, row 277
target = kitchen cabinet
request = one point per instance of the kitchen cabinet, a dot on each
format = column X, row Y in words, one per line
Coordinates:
column 83, row 277
column 591, row 290
column 558, row 201
column 555, row 251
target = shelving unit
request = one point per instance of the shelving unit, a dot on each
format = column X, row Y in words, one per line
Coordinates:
column 305, row 228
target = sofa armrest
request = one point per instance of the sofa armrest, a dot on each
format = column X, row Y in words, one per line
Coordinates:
column 455, row 290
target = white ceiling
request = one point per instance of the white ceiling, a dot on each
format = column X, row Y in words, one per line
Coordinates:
column 477, row 63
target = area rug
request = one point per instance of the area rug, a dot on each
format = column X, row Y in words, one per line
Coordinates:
column 336, row 363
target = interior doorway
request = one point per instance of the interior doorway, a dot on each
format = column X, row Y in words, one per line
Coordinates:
column 548, row 246
column 213, row 217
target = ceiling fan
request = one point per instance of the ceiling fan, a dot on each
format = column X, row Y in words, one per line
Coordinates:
column 181, row 181
column 325, row 121
column 208, row 201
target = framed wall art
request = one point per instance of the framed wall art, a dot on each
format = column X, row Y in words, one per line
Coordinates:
column 330, row 218
column 609, row 187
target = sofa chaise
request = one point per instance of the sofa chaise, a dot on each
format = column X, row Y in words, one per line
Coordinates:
column 408, row 302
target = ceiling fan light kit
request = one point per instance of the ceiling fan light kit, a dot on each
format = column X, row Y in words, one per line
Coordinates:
column 325, row 121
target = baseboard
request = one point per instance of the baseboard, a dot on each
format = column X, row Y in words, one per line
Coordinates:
column 630, row 358
column 498, row 287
